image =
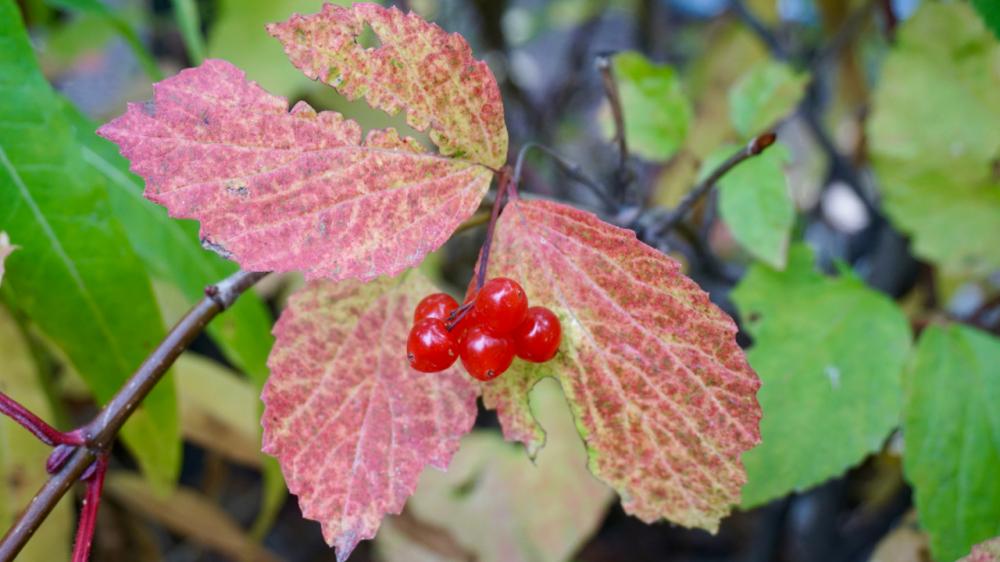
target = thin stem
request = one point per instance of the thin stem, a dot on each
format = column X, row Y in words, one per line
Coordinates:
column 36, row 425
column 571, row 169
column 760, row 29
column 845, row 33
column 756, row 146
column 88, row 512
column 503, row 185
column 101, row 431
column 839, row 164
column 622, row 174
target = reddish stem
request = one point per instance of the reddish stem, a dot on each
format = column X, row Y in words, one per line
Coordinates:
column 88, row 512
column 36, row 425
column 503, row 184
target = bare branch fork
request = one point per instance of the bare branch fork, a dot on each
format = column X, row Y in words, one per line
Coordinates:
column 623, row 175
column 753, row 148
column 83, row 453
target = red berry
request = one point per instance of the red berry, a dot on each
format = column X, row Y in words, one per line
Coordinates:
column 484, row 355
column 501, row 305
column 430, row 348
column 537, row 338
column 437, row 305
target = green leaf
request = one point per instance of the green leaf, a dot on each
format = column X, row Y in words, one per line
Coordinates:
column 75, row 274
column 172, row 252
column 189, row 20
column 989, row 10
column 22, row 456
column 829, row 352
column 766, row 93
column 755, row 202
column 657, row 111
column 951, row 423
column 935, row 140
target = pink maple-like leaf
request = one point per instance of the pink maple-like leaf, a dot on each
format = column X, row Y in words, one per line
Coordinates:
column 417, row 67
column 664, row 397
column 352, row 425
column 301, row 191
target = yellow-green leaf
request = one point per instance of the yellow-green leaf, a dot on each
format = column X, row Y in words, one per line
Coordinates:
column 767, row 92
column 935, row 138
column 657, row 111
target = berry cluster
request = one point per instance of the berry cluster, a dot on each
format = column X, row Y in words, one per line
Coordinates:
column 486, row 332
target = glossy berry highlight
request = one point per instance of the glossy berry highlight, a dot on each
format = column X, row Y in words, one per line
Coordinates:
column 501, row 305
column 485, row 355
column 437, row 305
column 537, row 337
column 430, row 347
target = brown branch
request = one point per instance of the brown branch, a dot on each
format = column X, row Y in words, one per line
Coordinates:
column 573, row 170
column 101, row 431
column 675, row 216
column 622, row 174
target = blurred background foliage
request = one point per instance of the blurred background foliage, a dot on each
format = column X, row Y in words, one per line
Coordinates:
column 861, row 256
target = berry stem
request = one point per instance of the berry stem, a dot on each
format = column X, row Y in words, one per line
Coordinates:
column 503, row 185
column 36, row 425
column 458, row 314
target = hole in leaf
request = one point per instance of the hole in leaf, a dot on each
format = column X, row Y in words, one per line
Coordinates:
column 368, row 38
column 327, row 99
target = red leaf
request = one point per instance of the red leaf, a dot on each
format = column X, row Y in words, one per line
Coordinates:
column 417, row 66
column 663, row 396
column 350, row 423
column 279, row 190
